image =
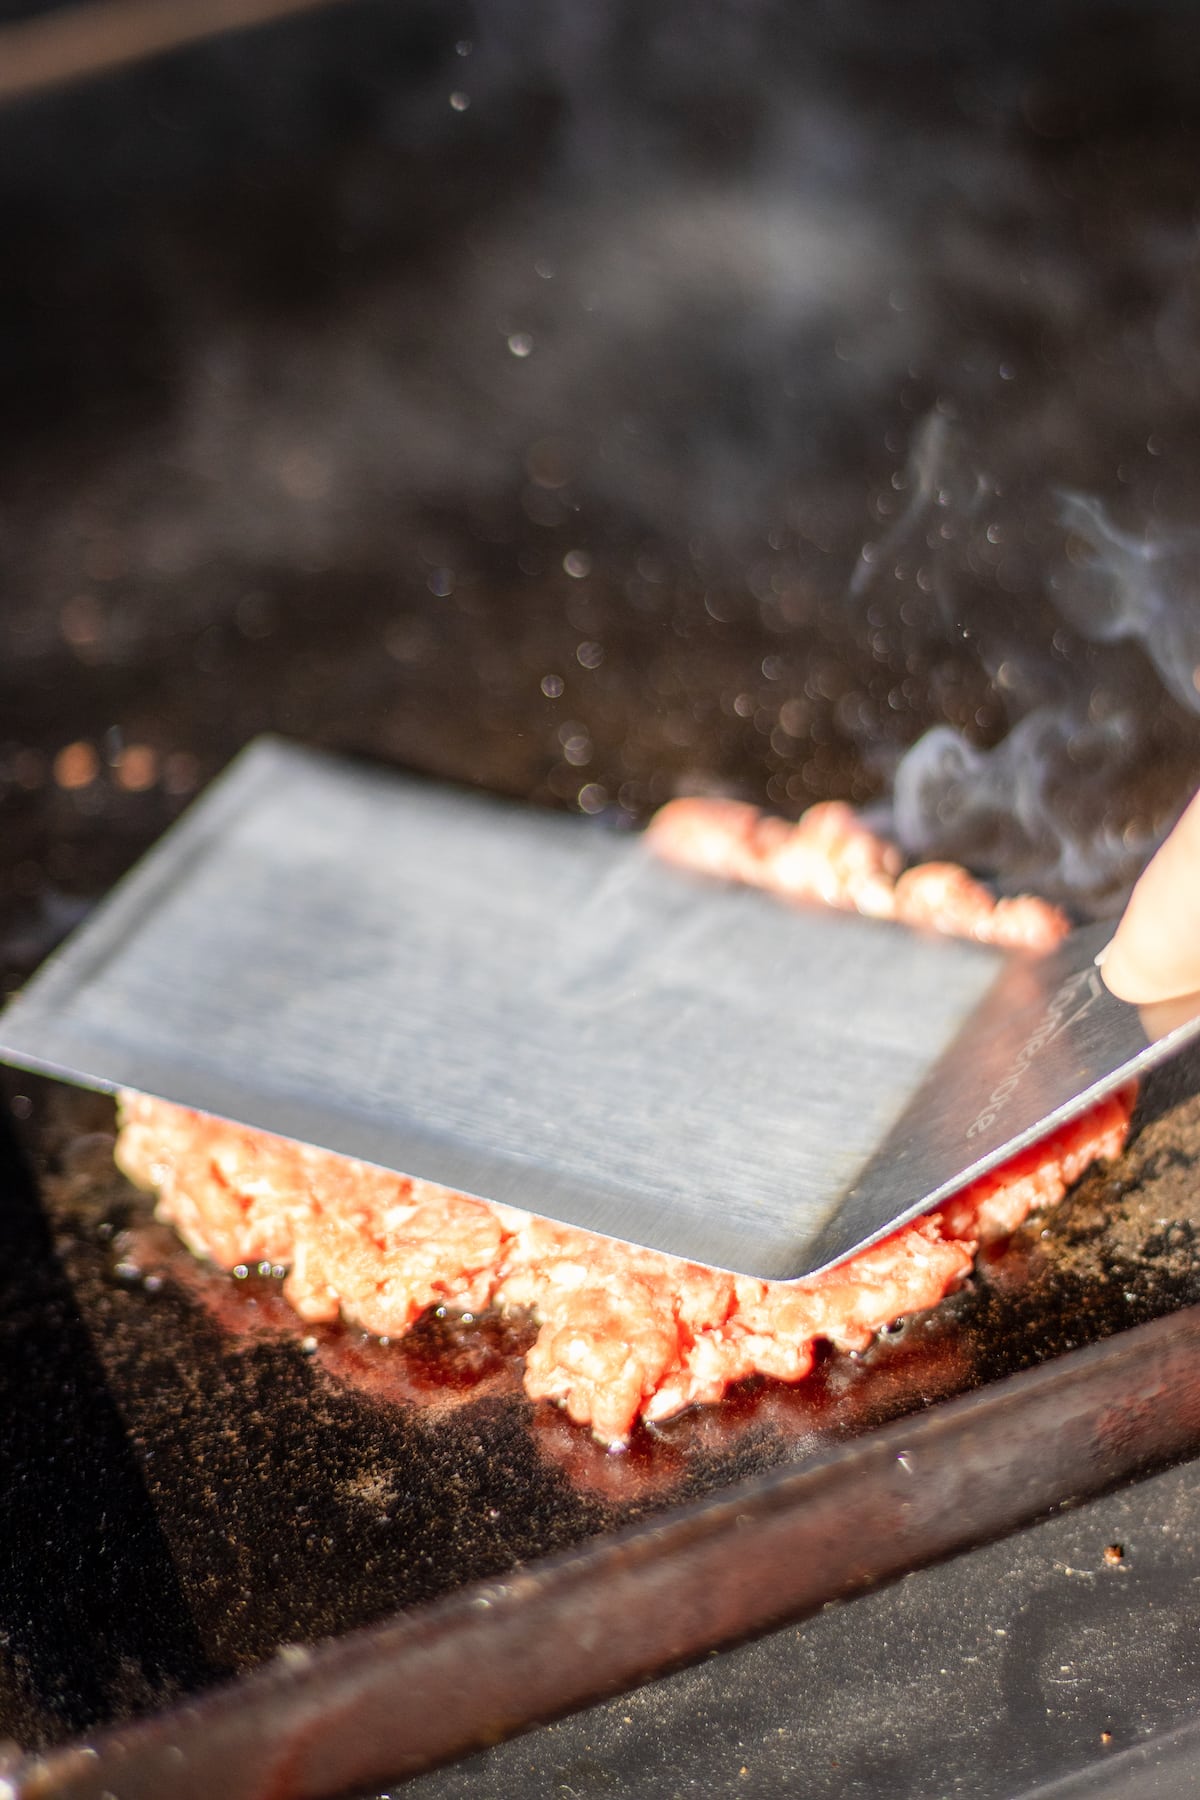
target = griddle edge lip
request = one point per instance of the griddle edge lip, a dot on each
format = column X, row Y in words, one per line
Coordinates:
column 389, row 1700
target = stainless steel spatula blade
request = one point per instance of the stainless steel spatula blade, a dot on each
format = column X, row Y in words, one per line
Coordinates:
column 536, row 1011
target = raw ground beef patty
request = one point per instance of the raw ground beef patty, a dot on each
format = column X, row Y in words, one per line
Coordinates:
column 623, row 1333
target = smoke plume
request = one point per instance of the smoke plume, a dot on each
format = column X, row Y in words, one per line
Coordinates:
column 593, row 404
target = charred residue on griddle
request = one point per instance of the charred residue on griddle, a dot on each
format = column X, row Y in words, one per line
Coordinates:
column 95, row 1622
column 310, row 1479
column 296, row 1501
column 1119, row 1249
column 761, row 547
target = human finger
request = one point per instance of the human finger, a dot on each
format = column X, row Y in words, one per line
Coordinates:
column 1155, row 952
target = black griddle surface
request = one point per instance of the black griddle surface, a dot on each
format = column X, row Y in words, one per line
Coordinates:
column 998, row 1675
column 226, row 511
column 256, row 1483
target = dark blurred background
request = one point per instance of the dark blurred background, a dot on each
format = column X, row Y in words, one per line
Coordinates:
column 595, row 403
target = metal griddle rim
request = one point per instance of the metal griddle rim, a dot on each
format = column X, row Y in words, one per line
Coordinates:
column 394, row 1698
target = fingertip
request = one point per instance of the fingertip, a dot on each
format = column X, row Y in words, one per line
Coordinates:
column 1123, row 977
column 1154, row 954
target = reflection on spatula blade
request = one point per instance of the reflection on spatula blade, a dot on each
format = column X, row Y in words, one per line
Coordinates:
column 534, row 1010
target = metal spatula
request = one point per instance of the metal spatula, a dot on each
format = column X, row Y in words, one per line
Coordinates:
column 537, row 1011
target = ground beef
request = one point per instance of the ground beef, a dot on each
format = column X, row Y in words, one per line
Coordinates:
column 830, row 856
column 623, row 1333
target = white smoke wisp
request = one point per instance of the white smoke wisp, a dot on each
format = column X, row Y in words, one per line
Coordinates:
column 1030, row 811
column 945, row 495
column 1094, row 663
column 1119, row 587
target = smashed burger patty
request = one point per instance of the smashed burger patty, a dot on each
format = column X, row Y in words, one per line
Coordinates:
column 624, row 1334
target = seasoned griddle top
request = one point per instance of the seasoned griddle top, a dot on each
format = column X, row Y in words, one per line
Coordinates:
column 335, row 410
column 273, row 1483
